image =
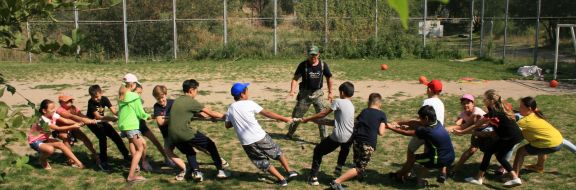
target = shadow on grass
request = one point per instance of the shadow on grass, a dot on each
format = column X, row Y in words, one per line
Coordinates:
column 280, row 136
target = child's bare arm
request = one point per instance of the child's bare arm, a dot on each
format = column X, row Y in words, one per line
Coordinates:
column 65, row 128
column 272, row 115
column 322, row 114
column 382, row 128
column 405, row 132
column 469, row 129
column 208, row 112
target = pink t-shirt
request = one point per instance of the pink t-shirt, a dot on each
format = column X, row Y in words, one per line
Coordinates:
column 470, row 118
column 37, row 133
column 73, row 110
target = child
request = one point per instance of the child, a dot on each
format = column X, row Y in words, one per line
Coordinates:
column 148, row 134
column 257, row 144
column 433, row 90
column 183, row 132
column 96, row 107
column 370, row 123
column 69, row 111
column 341, row 135
column 439, row 152
column 39, row 135
column 502, row 119
column 130, row 111
column 542, row 137
column 469, row 116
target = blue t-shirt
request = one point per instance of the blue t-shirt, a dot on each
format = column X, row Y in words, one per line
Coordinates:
column 159, row 110
column 367, row 127
column 438, row 144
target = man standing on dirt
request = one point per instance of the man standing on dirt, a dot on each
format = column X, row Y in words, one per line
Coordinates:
column 310, row 89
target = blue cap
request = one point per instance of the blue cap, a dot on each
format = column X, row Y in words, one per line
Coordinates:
column 238, row 88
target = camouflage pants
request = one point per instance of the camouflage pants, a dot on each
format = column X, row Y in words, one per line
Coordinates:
column 305, row 98
column 362, row 154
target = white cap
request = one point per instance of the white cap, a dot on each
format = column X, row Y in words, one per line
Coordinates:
column 130, row 78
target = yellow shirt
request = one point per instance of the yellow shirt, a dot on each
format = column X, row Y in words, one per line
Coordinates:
column 539, row 133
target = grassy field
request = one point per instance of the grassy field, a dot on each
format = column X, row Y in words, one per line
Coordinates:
column 390, row 154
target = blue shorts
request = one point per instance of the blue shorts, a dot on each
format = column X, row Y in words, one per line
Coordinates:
column 535, row 150
column 130, row 133
column 36, row 145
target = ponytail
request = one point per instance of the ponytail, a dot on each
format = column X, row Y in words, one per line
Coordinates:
column 530, row 102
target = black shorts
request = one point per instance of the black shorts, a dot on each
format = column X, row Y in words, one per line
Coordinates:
column 535, row 151
column 429, row 162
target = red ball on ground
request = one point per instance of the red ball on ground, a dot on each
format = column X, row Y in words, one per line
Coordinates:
column 384, row 67
column 553, row 83
column 423, row 80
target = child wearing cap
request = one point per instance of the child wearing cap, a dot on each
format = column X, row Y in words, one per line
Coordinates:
column 439, row 152
column 96, row 107
column 69, row 111
column 184, row 132
column 39, row 135
column 433, row 90
column 130, row 111
column 257, row 144
column 341, row 135
column 369, row 124
column 469, row 116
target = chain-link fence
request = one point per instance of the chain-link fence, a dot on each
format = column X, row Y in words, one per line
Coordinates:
column 195, row 29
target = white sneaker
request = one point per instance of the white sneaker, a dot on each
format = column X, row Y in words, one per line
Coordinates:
column 180, row 176
column 222, row 174
column 225, row 164
column 514, row 182
column 198, row 176
column 473, row 180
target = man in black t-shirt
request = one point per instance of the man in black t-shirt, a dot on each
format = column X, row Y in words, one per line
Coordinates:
column 310, row 91
column 96, row 107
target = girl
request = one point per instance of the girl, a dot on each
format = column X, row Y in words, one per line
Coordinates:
column 502, row 119
column 39, row 135
column 130, row 111
column 542, row 137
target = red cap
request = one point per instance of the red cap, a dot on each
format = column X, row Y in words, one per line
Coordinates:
column 65, row 98
column 435, row 86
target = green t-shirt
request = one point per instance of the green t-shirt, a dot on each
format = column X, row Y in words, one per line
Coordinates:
column 183, row 109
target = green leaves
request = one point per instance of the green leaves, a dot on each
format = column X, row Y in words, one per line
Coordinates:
column 66, row 40
column 401, row 7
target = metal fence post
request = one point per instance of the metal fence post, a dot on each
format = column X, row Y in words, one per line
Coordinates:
column 471, row 27
column 505, row 30
column 175, row 30
column 225, row 23
column 29, row 37
column 275, row 27
column 125, row 31
column 424, row 26
column 76, row 26
column 537, row 32
column 482, row 30
column 325, row 24
column 376, row 20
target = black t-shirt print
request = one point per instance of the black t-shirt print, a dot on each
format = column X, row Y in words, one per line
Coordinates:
column 94, row 106
column 311, row 75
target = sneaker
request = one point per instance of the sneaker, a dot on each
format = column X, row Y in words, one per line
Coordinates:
column 225, row 164
column 313, row 181
column 338, row 171
column 336, row 186
column 293, row 174
column 473, row 180
column 181, row 176
column 147, row 167
column 514, row 182
column 103, row 166
column 169, row 163
column 222, row 174
column 534, row 168
column 282, row 183
column 198, row 176
column 441, row 179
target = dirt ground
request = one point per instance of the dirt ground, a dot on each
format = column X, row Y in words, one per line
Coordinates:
column 218, row 91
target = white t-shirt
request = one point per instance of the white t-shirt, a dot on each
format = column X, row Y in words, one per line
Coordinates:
column 343, row 120
column 242, row 115
column 470, row 118
column 438, row 106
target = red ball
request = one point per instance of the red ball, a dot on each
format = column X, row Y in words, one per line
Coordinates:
column 423, row 80
column 384, row 67
column 553, row 83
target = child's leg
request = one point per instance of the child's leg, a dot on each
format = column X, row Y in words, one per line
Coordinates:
column 65, row 137
column 541, row 159
column 465, row 156
column 156, row 143
column 67, row 151
column 137, row 145
column 102, row 144
column 351, row 173
column 413, row 146
column 519, row 159
column 170, row 152
column 272, row 170
column 80, row 135
column 343, row 154
column 284, row 163
column 45, row 150
column 326, row 146
column 204, row 142
column 112, row 134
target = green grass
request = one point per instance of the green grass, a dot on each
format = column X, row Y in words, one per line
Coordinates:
column 269, row 70
column 390, row 153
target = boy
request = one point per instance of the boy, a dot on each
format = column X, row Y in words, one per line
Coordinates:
column 257, row 144
column 340, row 137
column 182, row 132
column 439, row 152
column 96, row 107
column 433, row 90
column 370, row 123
